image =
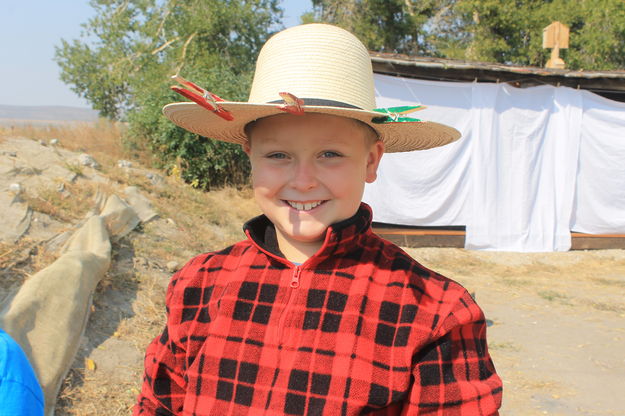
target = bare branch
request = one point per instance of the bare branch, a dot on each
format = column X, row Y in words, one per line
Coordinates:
column 184, row 52
column 120, row 9
column 164, row 45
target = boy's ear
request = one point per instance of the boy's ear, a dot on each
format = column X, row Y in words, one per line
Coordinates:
column 373, row 160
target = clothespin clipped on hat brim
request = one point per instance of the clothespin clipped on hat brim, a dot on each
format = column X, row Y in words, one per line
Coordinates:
column 202, row 97
column 292, row 104
column 394, row 114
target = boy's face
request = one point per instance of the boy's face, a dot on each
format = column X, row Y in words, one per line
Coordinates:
column 309, row 171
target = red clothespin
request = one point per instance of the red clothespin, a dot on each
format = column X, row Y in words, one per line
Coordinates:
column 292, row 104
column 202, row 97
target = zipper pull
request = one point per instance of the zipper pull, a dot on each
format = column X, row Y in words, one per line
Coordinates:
column 295, row 277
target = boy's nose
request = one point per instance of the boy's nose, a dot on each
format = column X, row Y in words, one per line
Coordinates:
column 304, row 177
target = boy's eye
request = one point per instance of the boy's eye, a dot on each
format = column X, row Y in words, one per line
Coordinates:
column 329, row 154
column 277, row 155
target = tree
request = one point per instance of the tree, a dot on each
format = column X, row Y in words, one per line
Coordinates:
column 510, row 32
column 597, row 39
column 124, row 59
column 382, row 25
column 507, row 31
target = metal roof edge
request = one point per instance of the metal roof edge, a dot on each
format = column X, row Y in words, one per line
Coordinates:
column 444, row 63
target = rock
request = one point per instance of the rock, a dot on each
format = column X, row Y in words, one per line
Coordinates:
column 154, row 178
column 41, row 142
column 10, row 154
column 54, row 142
column 16, row 188
column 141, row 205
column 173, row 266
column 86, row 160
column 61, row 187
column 124, row 164
column 71, row 177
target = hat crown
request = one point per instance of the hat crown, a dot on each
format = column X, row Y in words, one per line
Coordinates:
column 314, row 61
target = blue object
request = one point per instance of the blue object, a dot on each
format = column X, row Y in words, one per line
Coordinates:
column 20, row 392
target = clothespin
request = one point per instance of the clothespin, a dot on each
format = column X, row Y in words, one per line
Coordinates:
column 199, row 95
column 292, row 104
column 394, row 114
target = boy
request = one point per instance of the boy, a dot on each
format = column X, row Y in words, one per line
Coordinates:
column 314, row 314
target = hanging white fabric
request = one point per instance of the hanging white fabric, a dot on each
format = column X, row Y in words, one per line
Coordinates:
column 599, row 206
column 514, row 177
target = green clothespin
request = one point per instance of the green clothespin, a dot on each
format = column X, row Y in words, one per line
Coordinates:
column 394, row 114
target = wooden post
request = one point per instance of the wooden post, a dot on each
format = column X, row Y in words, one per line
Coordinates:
column 556, row 37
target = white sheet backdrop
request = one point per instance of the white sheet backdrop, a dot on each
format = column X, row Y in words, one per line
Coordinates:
column 532, row 164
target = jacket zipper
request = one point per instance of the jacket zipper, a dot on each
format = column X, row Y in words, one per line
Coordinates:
column 295, row 277
column 294, row 285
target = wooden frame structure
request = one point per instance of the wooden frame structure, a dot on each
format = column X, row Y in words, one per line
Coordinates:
column 609, row 84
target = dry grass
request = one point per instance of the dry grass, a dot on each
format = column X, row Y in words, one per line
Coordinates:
column 507, row 346
column 102, row 139
column 68, row 205
column 207, row 221
column 552, row 295
column 12, row 258
column 18, row 261
column 198, row 221
column 102, row 136
column 609, row 282
column 98, row 399
column 128, row 304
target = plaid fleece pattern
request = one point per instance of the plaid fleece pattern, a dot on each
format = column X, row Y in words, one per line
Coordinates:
column 359, row 328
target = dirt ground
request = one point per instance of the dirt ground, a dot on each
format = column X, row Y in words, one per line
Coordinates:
column 557, row 333
column 556, row 320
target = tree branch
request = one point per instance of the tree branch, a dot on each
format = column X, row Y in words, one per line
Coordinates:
column 164, row 45
column 184, row 51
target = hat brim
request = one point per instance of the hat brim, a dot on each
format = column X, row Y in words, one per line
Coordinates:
column 397, row 136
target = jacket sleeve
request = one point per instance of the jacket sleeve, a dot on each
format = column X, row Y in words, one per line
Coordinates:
column 163, row 390
column 454, row 374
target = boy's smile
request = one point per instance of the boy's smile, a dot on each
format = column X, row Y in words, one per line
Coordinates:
column 309, row 172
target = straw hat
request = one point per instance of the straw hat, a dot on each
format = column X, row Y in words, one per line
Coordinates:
column 329, row 70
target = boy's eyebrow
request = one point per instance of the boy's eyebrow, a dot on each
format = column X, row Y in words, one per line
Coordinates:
column 321, row 141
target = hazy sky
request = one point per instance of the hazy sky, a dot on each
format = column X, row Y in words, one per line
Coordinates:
column 29, row 30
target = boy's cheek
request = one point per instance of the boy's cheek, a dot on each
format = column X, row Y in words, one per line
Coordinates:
column 267, row 175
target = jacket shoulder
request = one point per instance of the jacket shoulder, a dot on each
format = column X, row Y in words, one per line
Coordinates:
column 406, row 272
column 209, row 262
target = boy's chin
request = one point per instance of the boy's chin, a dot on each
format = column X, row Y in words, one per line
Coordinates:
column 307, row 235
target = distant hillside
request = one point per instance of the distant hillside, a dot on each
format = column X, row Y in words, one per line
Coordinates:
column 48, row 113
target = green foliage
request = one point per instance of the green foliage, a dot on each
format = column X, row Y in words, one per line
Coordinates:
column 382, row 25
column 508, row 31
column 123, row 62
column 597, row 33
column 511, row 32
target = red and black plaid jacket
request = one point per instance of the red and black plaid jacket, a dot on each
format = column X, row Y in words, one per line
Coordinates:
column 358, row 328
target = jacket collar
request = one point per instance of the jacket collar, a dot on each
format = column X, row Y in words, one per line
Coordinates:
column 340, row 238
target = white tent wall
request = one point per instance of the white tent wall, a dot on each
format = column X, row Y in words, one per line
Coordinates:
column 600, row 197
column 532, row 164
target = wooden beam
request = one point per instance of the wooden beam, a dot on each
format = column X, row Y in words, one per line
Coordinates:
column 433, row 237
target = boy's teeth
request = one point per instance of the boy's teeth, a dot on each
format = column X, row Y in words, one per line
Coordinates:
column 307, row 206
